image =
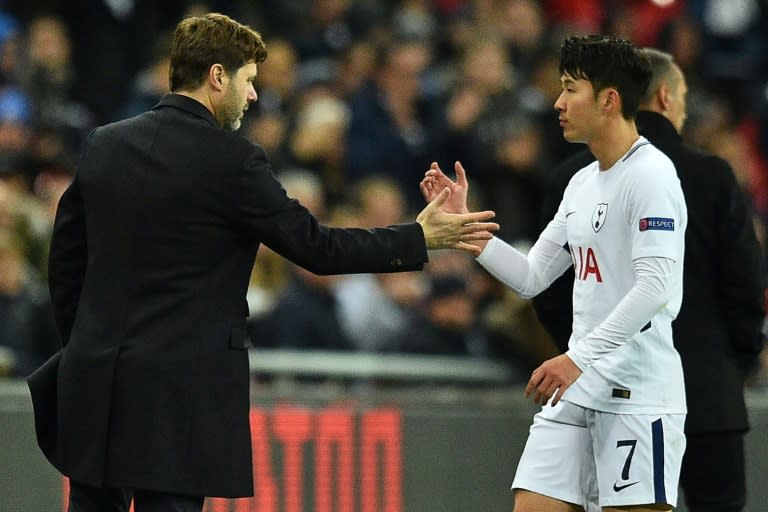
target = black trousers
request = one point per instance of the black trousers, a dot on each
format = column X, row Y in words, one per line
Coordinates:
column 713, row 474
column 86, row 498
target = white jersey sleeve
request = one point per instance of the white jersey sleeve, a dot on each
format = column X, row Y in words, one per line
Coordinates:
column 649, row 294
column 527, row 275
column 654, row 209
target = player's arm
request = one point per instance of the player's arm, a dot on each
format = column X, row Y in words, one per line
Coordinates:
column 649, row 294
column 528, row 275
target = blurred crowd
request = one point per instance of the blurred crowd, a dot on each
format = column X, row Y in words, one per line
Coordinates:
column 356, row 99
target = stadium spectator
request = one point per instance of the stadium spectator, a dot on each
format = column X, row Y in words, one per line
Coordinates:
column 388, row 132
column 27, row 330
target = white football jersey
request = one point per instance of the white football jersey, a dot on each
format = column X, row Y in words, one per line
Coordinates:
column 607, row 219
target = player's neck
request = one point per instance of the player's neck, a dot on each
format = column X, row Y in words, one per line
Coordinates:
column 613, row 142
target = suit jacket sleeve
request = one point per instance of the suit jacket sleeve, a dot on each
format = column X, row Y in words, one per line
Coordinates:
column 67, row 259
column 288, row 228
column 740, row 276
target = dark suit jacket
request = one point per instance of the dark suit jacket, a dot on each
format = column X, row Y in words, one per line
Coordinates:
column 150, row 259
column 717, row 331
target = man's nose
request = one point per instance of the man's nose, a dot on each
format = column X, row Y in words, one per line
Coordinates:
column 559, row 103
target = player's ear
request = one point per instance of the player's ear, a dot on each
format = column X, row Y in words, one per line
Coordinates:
column 609, row 99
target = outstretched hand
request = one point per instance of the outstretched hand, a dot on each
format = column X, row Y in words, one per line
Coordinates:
column 435, row 181
column 443, row 230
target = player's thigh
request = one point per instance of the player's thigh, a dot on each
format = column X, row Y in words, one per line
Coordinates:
column 558, row 462
column 529, row 501
column 638, row 459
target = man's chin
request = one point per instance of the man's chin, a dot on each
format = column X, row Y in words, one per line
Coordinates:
column 569, row 137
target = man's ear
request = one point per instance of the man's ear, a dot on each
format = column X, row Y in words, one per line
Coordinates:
column 609, row 99
column 216, row 77
column 664, row 97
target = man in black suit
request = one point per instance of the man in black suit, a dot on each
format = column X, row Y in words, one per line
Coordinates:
column 151, row 253
column 717, row 331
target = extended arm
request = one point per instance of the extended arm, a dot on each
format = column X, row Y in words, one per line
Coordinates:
column 527, row 275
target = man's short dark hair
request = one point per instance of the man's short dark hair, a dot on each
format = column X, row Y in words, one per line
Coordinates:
column 202, row 41
column 608, row 61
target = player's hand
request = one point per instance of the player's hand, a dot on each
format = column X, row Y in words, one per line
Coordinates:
column 443, row 230
column 435, row 181
column 551, row 379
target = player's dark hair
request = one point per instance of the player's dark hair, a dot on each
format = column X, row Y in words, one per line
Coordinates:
column 608, row 61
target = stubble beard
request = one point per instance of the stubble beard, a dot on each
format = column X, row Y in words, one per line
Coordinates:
column 231, row 112
column 235, row 125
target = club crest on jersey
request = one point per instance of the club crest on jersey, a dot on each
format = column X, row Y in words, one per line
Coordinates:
column 598, row 216
column 657, row 224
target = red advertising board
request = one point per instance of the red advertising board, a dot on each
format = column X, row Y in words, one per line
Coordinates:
column 331, row 459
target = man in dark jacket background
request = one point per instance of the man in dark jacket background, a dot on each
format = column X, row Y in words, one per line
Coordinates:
column 151, row 254
column 718, row 329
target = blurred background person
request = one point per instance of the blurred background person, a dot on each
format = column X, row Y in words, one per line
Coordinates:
column 478, row 100
column 388, row 132
column 445, row 323
column 375, row 309
column 305, row 315
column 300, row 311
column 317, row 141
column 48, row 77
column 151, row 82
column 27, row 330
column 271, row 272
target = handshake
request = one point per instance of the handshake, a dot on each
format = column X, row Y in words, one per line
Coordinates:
column 446, row 221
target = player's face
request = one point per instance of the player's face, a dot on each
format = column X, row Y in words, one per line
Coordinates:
column 238, row 95
column 577, row 109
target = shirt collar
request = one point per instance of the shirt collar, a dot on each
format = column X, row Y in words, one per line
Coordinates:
column 188, row 105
